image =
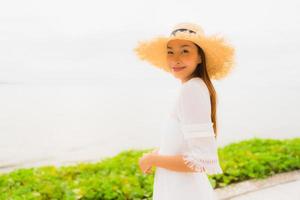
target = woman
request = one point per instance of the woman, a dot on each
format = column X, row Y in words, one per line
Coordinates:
column 188, row 147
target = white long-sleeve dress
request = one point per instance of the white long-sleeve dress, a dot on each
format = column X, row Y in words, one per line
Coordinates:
column 188, row 130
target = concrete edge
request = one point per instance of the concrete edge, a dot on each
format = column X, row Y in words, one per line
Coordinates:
column 237, row 189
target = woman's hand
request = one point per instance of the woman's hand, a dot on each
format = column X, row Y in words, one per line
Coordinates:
column 145, row 162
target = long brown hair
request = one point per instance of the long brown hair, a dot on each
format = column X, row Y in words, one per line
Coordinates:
column 201, row 72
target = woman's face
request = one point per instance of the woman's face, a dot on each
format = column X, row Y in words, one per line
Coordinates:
column 182, row 58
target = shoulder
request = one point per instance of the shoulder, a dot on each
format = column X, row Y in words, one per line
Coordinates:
column 194, row 87
column 194, row 101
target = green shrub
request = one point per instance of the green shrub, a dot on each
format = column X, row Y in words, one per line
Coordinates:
column 120, row 178
column 256, row 159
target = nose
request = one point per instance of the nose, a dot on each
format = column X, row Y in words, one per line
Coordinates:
column 177, row 59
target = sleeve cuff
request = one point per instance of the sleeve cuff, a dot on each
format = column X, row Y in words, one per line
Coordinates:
column 197, row 130
column 209, row 166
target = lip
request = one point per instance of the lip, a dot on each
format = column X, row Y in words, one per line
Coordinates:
column 177, row 69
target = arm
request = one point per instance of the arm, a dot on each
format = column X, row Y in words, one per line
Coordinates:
column 172, row 162
column 200, row 152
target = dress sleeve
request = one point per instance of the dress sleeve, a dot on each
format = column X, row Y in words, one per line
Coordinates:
column 194, row 113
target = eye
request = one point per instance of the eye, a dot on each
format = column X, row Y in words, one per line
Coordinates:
column 170, row 52
column 185, row 51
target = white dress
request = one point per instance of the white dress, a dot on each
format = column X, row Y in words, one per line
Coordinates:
column 188, row 131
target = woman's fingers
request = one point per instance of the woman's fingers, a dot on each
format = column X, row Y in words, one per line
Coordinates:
column 148, row 171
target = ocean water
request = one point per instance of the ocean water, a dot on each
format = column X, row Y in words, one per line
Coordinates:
column 62, row 122
column 53, row 122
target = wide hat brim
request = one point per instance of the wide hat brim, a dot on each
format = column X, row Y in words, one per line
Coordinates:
column 219, row 54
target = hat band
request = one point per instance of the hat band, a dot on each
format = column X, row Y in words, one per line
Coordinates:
column 181, row 30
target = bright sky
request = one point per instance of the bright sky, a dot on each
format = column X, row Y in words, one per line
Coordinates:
column 62, row 39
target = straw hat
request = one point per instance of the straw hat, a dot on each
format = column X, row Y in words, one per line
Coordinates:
column 219, row 54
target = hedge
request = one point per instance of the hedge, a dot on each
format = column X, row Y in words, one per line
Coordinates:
column 120, row 178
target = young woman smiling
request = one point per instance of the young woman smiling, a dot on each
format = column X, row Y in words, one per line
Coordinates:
column 188, row 146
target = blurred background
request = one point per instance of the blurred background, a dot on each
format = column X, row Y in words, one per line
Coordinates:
column 72, row 89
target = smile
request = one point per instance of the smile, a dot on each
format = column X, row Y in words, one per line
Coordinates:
column 177, row 69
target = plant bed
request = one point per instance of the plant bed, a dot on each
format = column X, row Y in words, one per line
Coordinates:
column 119, row 177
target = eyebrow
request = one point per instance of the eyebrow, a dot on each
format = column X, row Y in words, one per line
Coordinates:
column 180, row 46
